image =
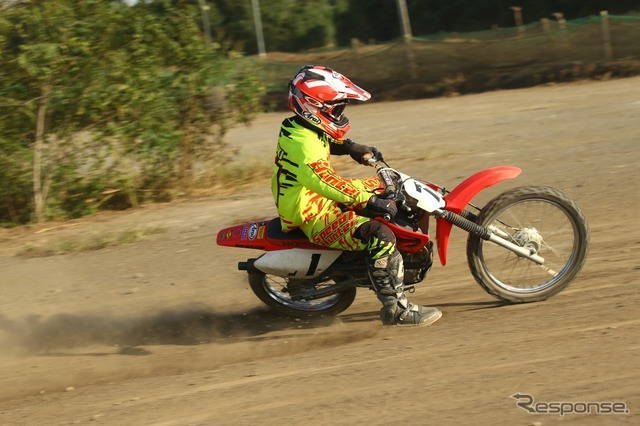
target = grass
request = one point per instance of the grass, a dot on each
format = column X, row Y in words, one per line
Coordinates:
column 97, row 242
column 232, row 175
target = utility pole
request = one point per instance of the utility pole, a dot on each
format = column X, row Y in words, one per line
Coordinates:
column 606, row 35
column 257, row 21
column 405, row 25
column 403, row 14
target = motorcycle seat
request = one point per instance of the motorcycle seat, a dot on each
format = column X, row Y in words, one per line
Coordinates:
column 275, row 232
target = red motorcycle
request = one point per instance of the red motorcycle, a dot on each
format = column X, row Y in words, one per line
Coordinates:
column 526, row 245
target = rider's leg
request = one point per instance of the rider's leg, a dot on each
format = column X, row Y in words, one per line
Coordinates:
column 334, row 228
column 386, row 271
column 346, row 230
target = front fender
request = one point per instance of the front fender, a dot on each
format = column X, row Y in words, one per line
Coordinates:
column 458, row 199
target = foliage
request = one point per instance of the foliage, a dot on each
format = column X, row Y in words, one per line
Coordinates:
column 296, row 25
column 113, row 104
column 15, row 182
column 288, row 25
column 431, row 16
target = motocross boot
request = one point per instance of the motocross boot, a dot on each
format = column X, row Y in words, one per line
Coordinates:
column 387, row 274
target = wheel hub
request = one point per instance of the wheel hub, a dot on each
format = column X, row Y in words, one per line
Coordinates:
column 297, row 287
column 530, row 238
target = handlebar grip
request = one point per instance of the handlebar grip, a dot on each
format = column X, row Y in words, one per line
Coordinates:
column 389, row 185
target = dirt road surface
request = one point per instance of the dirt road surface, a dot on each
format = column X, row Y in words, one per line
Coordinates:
column 165, row 331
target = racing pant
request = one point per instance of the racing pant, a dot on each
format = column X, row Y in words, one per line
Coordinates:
column 336, row 228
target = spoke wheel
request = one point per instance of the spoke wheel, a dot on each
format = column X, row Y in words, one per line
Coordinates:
column 542, row 219
column 277, row 292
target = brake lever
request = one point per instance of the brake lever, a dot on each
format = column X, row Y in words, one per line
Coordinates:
column 377, row 154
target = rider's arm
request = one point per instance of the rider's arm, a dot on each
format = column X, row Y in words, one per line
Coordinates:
column 357, row 151
column 319, row 177
column 315, row 173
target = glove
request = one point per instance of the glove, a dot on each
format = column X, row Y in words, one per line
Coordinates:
column 377, row 207
column 377, row 154
column 359, row 152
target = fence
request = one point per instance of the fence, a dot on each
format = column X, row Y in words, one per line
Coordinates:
column 438, row 64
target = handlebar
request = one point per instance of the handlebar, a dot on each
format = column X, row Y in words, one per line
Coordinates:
column 371, row 161
column 390, row 188
column 388, row 177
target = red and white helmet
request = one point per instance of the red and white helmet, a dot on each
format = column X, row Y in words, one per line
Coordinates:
column 319, row 95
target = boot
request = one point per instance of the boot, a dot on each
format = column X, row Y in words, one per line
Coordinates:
column 387, row 275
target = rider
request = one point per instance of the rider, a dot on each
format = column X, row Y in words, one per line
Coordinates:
column 332, row 211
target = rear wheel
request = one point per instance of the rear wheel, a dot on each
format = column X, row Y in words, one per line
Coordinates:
column 280, row 294
column 542, row 219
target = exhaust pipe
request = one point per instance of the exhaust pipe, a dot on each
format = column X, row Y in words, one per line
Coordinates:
column 249, row 267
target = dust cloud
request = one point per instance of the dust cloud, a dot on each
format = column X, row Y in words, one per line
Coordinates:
column 190, row 325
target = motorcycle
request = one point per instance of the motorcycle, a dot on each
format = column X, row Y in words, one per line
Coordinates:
column 525, row 245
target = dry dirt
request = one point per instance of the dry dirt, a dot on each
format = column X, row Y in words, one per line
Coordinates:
column 166, row 331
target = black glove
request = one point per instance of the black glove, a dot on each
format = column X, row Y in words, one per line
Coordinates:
column 375, row 154
column 355, row 150
column 377, row 207
column 358, row 151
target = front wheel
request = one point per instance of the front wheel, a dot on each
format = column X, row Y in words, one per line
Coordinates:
column 542, row 219
column 279, row 294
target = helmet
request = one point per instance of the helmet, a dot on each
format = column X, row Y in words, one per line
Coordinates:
column 319, row 95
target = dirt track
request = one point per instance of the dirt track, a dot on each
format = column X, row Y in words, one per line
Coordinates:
column 166, row 331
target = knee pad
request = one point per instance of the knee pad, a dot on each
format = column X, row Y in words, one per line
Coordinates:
column 378, row 237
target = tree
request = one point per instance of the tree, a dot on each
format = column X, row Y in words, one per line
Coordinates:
column 376, row 19
column 289, row 25
column 107, row 95
column 48, row 52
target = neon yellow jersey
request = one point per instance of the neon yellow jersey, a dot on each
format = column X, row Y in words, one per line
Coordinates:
column 303, row 178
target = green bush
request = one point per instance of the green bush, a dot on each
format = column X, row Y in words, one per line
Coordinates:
column 15, row 183
column 116, row 104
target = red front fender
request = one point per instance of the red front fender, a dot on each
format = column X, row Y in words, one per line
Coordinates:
column 458, row 199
